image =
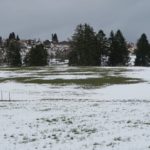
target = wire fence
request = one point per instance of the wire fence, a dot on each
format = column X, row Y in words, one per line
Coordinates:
column 16, row 96
column 5, row 97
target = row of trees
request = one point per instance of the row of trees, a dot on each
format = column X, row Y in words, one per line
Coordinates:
column 92, row 49
column 37, row 56
column 88, row 48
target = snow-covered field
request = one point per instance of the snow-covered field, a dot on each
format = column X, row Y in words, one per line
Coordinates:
column 74, row 117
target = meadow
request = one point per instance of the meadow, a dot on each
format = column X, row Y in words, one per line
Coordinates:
column 87, row 108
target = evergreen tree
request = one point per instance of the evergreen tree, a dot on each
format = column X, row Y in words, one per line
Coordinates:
column 1, row 52
column 118, row 52
column 17, row 38
column 12, row 36
column 54, row 38
column 84, row 48
column 76, row 46
column 142, row 52
column 1, row 41
column 37, row 56
column 13, row 54
column 102, row 44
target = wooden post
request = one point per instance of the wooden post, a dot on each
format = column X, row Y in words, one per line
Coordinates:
column 9, row 96
column 1, row 95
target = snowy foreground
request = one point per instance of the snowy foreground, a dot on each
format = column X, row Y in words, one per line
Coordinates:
column 70, row 117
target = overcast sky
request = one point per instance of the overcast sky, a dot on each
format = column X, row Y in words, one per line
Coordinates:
column 41, row 18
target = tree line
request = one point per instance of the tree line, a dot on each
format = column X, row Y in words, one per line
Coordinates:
column 89, row 48
column 36, row 56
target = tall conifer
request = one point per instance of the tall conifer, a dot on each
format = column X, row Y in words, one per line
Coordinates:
column 142, row 52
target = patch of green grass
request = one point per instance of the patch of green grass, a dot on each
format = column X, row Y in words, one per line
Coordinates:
column 66, row 120
column 54, row 120
column 83, row 131
column 146, row 123
column 106, row 76
column 101, row 81
column 96, row 69
column 16, row 79
column 108, row 80
column 16, row 68
column 26, row 140
column 3, row 80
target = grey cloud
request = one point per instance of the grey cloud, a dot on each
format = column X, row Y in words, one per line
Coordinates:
column 40, row 18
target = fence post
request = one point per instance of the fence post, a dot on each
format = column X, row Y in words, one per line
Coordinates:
column 9, row 96
column 1, row 96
